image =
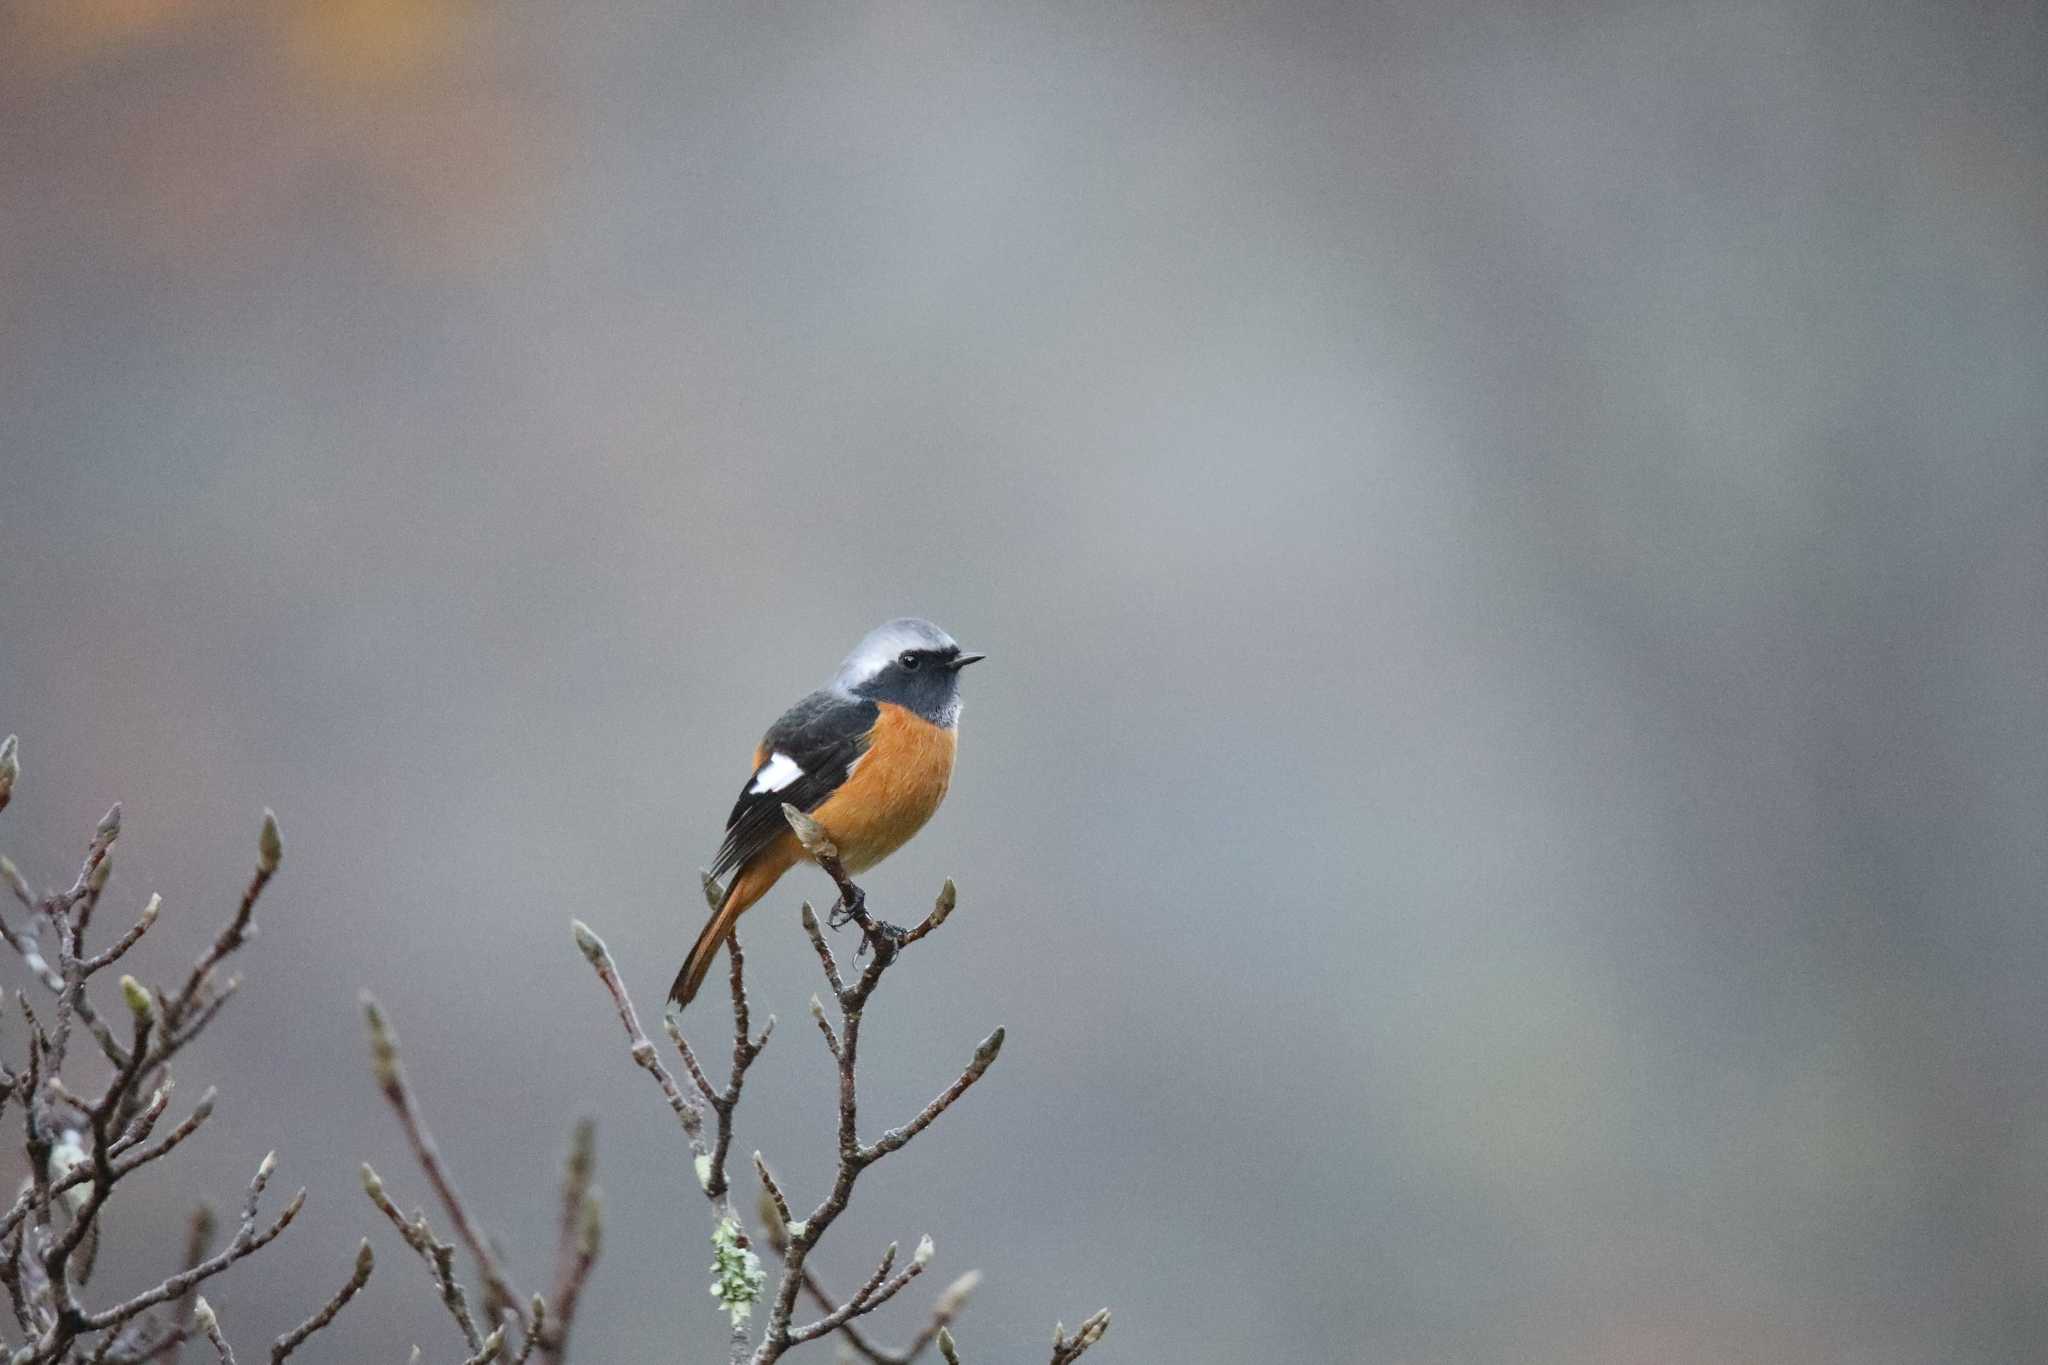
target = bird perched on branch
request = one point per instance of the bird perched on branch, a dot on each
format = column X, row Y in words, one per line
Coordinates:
column 868, row 756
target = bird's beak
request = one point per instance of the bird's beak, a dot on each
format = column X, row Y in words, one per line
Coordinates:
column 966, row 659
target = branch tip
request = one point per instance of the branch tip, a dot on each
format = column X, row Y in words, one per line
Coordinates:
column 812, row 835
column 955, row 1298
column 494, row 1344
column 590, row 1224
column 139, row 1002
column 588, row 943
column 269, row 844
column 383, row 1045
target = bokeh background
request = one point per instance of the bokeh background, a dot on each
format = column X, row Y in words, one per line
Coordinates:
column 1505, row 817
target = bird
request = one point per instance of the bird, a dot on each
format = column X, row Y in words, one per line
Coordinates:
column 868, row 756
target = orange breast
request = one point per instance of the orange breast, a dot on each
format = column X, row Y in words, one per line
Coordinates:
column 893, row 790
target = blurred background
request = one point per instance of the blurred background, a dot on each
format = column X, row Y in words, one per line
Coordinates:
column 1505, row 815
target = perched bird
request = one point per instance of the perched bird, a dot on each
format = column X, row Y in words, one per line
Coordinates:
column 868, row 756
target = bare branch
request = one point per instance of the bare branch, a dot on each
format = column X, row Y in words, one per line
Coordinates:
column 578, row 1170
column 984, row 1057
column 439, row 1255
column 576, row 1244
column 832, row 1044
column 539, row 1310
column 198, row 1239
column 127, row 1160
column 493, row 1347
column 823, row 949
column 778, row 1203
column 673, row 1027
column 643, row 1052
column 948, row 897
column 499, row 1296
column 178, row 1008
column 944, row 1310
column 247, row 1241
column 879, row 1289
column 80, row 1148
column 588, row 1241
column 209, row 1326
column 1066, row 1349
column 128, row 940
column 366, row 1261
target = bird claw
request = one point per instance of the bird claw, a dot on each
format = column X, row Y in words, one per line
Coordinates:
column 872, row 930
column 850, row 912
column 879, row 929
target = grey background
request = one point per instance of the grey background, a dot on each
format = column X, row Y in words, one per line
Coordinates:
column 1505, row 813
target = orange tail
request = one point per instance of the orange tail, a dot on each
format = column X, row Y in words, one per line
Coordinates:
column 747, row 886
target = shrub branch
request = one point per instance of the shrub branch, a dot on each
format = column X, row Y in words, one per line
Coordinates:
column 83, row 1143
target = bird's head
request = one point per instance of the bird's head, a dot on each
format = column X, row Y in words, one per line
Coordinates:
column 909, row 662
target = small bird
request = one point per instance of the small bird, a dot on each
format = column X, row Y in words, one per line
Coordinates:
column 868, row 756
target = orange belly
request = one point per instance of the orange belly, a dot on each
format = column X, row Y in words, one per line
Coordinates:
column 894, row 788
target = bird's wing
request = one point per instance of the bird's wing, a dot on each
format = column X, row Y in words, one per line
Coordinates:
column 802, row 760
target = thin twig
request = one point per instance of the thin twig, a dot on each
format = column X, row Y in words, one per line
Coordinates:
column 493, row 1347
column 439, row 1255
column 499, row 1296
column 583, row 1249
column 209, row 1326
column 643, row 1052
column 944, row 1310
column 1066, row 1349
column 539, row 1332
column 198, row 1238
column 366, row 1261
column 247, row 1241
column 576, row 1245
column 879, row 1289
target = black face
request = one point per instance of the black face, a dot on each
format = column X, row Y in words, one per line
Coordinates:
column 926, row 681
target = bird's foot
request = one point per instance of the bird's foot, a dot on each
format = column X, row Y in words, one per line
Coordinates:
column 854, row 911
column 874, row 932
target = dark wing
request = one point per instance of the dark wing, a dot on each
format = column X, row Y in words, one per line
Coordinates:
column 817, row 741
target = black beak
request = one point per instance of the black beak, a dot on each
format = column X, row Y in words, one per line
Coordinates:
column 965, row 659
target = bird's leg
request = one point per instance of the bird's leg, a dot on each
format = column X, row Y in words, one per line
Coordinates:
column 853, row 902
column 851, row 909
column 879, row 934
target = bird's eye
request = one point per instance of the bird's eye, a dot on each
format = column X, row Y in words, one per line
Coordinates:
column 909, row 660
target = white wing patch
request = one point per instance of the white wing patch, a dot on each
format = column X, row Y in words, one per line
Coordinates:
column 778, row 772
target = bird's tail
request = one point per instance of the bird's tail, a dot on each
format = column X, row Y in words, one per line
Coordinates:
column 747, row 886
column 704, row 952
